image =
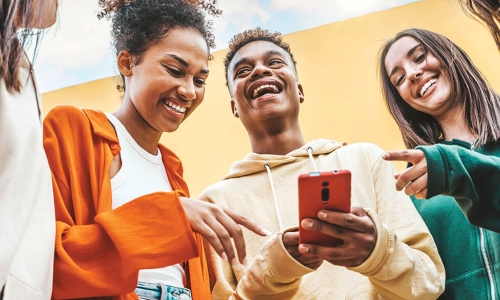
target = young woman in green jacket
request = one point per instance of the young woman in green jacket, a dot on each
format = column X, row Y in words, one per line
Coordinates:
column 449, row 118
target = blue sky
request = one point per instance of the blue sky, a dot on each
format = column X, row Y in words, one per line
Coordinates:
column 77, row 49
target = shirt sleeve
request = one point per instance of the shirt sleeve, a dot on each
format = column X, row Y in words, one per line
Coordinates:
column 470, row 177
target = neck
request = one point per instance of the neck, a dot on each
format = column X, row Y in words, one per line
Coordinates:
column 277, row 142
column 145, row 136
column 454, row 126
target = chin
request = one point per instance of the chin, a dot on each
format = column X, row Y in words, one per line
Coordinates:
column 170, row 129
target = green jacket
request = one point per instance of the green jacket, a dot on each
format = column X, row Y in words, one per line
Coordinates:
column 470, row 254
column 471, row 177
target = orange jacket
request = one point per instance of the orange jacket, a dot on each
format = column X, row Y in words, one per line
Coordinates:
column 99, row 251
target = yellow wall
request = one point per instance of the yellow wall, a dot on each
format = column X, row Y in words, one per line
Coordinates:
column 337, row 68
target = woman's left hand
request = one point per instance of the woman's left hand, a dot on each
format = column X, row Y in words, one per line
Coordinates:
column 414, row 179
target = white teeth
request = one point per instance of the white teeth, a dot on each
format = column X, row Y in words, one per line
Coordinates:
column 426, row 86
column 271, row 86
column 175, row 107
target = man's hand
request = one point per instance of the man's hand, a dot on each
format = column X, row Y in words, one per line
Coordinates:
column 414, row 179
column 291, row 242
column 218, row 225
column 356, row 229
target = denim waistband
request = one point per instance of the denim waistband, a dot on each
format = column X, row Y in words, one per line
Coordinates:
column 160, row 291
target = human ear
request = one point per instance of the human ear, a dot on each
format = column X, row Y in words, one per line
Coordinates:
column 233, row 109
column 301, row 92
column 124, row 61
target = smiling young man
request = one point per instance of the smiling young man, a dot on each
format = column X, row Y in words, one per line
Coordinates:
column 387, row 250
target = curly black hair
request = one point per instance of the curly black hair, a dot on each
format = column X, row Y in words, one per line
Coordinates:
column 252, row 35
column 137, row 24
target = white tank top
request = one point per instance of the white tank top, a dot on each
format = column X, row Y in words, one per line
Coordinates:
column 132, row 182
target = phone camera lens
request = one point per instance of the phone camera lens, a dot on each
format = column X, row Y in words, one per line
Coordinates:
column 325, row 194
column 325, row 183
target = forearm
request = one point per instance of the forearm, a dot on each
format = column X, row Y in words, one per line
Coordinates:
column 103, row 258
column 273, row 274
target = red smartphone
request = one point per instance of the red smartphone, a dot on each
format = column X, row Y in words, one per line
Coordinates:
column 323, row 191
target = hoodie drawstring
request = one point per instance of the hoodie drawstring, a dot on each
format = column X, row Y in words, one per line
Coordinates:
column 275, row 198
column 309, row 151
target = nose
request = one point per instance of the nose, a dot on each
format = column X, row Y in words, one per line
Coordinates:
column 259, row 71
column 187, row 90
column 414, row 72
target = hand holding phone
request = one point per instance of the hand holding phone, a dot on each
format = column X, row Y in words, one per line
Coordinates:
column 322, row 191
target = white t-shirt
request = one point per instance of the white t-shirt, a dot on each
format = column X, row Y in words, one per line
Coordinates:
column 142, row 173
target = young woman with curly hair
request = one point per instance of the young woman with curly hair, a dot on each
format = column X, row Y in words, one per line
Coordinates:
column 126, row 227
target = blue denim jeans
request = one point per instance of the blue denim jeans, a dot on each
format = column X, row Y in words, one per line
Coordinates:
column 160, row 291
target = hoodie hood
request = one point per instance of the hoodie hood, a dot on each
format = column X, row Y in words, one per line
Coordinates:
column 253, row 162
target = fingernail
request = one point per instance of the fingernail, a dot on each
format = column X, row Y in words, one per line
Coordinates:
column 385, row 155
column 234, row 262
column 307, row 224
column 224, row 256
column 266, row 232
column 322, row 215
column 303, row 249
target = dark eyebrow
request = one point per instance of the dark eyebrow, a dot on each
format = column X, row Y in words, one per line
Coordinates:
column 244, row 60
column 410, row 53
column 241, row 61
column 184, row 63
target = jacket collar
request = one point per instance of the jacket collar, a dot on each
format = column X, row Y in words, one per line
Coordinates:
column 103, row 128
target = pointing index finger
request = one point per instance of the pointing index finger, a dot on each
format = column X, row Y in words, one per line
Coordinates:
column 402, row 155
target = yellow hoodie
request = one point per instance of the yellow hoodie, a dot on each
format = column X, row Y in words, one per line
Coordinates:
column 404, row 264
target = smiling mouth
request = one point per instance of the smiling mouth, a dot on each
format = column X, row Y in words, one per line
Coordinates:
column 427, row 86
column 266, row 89
column 175, row 107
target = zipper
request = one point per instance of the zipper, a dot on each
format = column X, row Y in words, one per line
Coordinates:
column 473, row 145
column 487, row 264
column 483, row 248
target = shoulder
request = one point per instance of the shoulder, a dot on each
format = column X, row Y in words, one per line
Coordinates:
column 216, row 192
column 367, row 150
column 73, row 119
column 367, row 147
column 65, row 111
column 64, row 117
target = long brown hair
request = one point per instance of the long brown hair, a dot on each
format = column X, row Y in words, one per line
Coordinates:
column 481, row 105
column 488, row 11
column 16, row 34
